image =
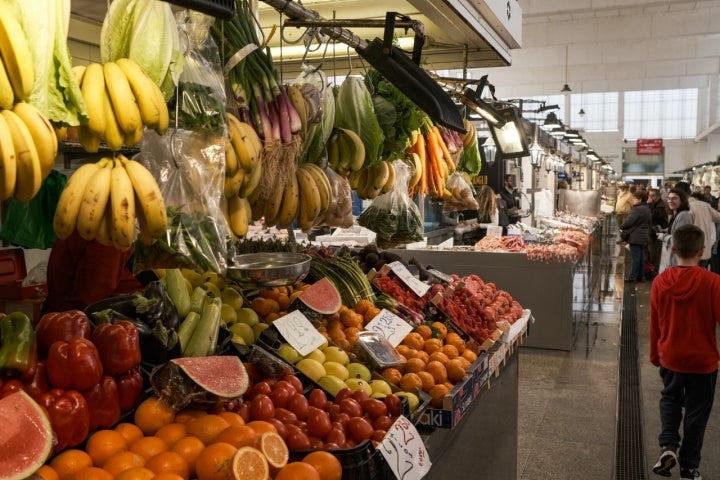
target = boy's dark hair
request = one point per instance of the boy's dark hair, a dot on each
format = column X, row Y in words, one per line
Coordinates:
column 684, row 186
column 688, row 240
column 640, row 195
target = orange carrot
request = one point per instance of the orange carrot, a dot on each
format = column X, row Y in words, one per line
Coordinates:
column 420, row 149
column 446, row 153
column 435, row 156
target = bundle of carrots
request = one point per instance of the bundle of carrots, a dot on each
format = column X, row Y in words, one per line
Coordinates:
column 437, row 163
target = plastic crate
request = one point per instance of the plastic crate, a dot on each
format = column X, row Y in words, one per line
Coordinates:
column 12, row 273
column 361, row 462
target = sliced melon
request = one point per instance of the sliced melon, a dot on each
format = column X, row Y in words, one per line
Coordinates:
column 27, row 436
column 322, row 297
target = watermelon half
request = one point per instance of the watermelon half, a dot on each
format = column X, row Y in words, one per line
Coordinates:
column 321, row 297
column 27, row 436
column 200, row 381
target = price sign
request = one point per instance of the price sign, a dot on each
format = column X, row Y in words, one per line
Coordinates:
column 389, row 326
column 420, row 288
column 405, row 451
column 299, row 332
column 494, row 231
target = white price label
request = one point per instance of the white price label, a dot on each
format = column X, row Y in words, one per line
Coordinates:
column 420, row 288
column 299, row 332
column 494, row 231
column 405, row 451
column 390, row 326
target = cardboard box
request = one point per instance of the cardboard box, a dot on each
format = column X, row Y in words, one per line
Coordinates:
column 459, row 399
column 12, row 273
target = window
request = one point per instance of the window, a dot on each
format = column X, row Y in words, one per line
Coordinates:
column 661, row 114
column 601, row 111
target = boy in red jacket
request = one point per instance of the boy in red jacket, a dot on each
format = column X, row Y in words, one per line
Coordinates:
column 684, row 312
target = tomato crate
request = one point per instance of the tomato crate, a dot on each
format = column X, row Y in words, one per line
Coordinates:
column 12, row 273
column 458, row 400
column 361, row 462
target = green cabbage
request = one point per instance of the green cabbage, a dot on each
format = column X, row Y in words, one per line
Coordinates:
column 354, row 110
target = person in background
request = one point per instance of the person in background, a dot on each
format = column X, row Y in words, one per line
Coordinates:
column 680, row 215
column 508, row 204
column 704, row 216
column 637, row 225
column 684, row 313
column 563, row 185
column 80, row 272
column 664, row 190
column 709, row 197
column 658, row 223
column 623, row 204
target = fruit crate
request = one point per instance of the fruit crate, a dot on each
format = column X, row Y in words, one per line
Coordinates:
column 361, row 462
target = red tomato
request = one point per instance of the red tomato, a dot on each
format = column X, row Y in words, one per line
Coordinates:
column 336, row 436
column 285, row 416
column 318, row 422
column 243, row 409
column 351, row 407
column 394, row 405
column 334, row 410
column 315, row 443
column 318, row 398
column 360, row 395
column 262, row 387
column 282, row 391
column 331, row 446
column 262, row 407
column 342, row 394
column 359, row 429
column 378, row 435
column 298, row 404
column 382, row 422
column 342, row 419
column 294, row 381
column 297, row 440
column 374, row 407
column 279, row 426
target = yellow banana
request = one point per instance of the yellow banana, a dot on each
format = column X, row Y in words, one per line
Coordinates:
column 257, row 206
column 68, row 206
column 122, row 202
column 7, row 95
column 333, row 151
column 114, row 137
column 358, row 159
column 61, row 133
column 309, row 203
column 8, row 161
column 390, row 183
column 78, row 72
column 233, row 183
column 164, row 120
column 143, row 234
column 251, row 181
column 251, row 135
column 354, row 178
column 149, row 197
column 42, row 133
column 381, row 174
column 15, row 52
column 231, row 162
column 89, row 141
column 289, row 205
column 417, row 170
column 133, row 138
column 93, row 91
column 243, row 145
column 94, row 201
column 297, row 100
column 272, row 206
column 238, row 215
column 29, row 173
column 104, row 232
column 141, row 88
column 323, row 184
column 122, row 98
column 346, row 153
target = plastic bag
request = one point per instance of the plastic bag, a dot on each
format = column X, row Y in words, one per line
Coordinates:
column 393, row 216
column 340, row 213
column 30, row 224
column 318, row 124
column 461, row 197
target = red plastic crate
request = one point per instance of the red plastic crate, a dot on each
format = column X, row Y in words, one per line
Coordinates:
column 12, row 273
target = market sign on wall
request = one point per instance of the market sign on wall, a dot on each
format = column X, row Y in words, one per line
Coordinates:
column 649, row 146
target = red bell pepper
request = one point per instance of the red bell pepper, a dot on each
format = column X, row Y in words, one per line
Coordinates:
column 61, row 326
column 119, row 346
column 103, row 402
column 69, row 416
column 37, row 383
column 11, row 386
column 130, row 385
column 74, row 364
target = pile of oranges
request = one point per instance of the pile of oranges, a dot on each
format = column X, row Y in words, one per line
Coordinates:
column 164, row 445
column 343, row 327
column 436, row 361
column 273, row 303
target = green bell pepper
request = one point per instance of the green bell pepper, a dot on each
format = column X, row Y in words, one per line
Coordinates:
column 18, row 350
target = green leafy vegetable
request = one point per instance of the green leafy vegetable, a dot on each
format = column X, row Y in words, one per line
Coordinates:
column 354, row 110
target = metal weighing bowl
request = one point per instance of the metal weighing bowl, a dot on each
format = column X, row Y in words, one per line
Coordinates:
column 272, row 269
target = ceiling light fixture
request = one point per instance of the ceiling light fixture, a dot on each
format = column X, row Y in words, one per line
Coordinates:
column 566, row 88
column 551, row 121
column 489, row 150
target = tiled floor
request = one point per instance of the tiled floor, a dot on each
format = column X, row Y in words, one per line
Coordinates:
column 567, row 400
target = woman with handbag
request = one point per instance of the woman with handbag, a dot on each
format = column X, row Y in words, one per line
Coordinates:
column 636, row 226
column 679, row 205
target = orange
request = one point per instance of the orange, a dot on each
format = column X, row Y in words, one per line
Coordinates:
column 93, row 473
column 167, row 476
column 440, row 328
column 450, row 350
column 414, row 365
column 130, row 431
column 455, row 370
column 250, row 464
column 298, row 470
column 187, row 414
column 406, row 351
column 189, row 448
column 410, row 381
column 391, row 374
column 438, row 356
column 232, row 418
column 152, row 414
column 437, row 393
column 261, row 426
column 362, row 306
column 274, row 448
column 215, row 462
column 283, row 302
column 428, row 381
column 67, row 463
column 168, row 462
column 422, row 355
column 327, row 464
column 464, row 362
column 172, row 433
column 432, row 345
column 424, row 330
column 414, row 340
column 46, row 472
column 240, row 436
column 469, row 355
column 207, row 427
column 148, row 447
column 437, row 370
column 135, row 473
column 123, row 461
column 371, row 313
column 103, row 444
column 455, row 340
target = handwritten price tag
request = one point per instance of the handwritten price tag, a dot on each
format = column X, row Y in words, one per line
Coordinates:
column 494, row 231
column 420, row 288
column 389, row 326
column 299, row 332
column 405, row 451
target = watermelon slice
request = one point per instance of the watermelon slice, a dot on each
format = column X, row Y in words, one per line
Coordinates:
column 200, row 381
column 27, row 436
column 322, row 297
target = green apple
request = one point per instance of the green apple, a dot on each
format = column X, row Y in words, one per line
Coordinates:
column 336, row 370
column 289, row 354
column 358, row 384
column 231, row 297
column 330, row 384
column 245, row 331
column 378, row 395
column 215, row 279
column 248, row 315
column 212, row 288
column 413, row 400
column 192, row 276
column 311, row 368
column 381, row 387
column 317, row 355
column 258, row 328
column 228, row 314
column 336, row 354
column 358, row 370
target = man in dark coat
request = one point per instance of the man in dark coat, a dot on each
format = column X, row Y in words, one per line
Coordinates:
column 658, row 221
column 635, row 228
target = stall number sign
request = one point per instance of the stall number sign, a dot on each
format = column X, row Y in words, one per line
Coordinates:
column 420, row 288
column 390, row 326
column 297, row 330
column 405, row 451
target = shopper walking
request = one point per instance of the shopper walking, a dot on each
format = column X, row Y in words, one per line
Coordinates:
column 709, row 197
column 684, row 313
column 680, row 208
column 508, row 203
column 704, row 216
column 658, row 223
column 623, row 204
column 635, row 231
